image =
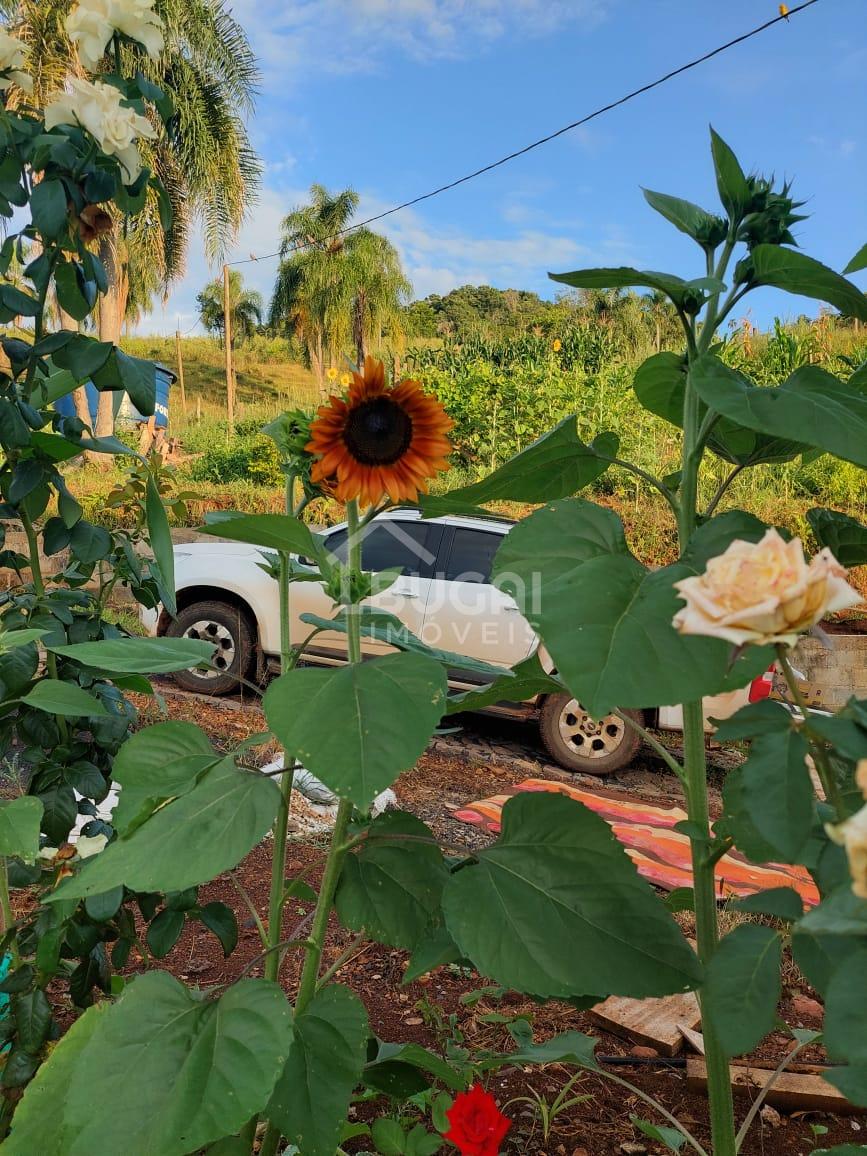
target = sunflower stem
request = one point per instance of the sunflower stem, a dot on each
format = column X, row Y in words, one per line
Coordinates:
column 337, row 849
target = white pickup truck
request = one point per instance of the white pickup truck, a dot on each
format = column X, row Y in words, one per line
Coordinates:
column 444, row 596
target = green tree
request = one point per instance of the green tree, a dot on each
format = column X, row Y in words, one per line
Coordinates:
column 336, row 287
column 203, row 157
column 246, row 306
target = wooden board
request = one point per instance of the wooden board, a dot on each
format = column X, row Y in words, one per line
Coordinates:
column 792, row 1091
column 655, row 1023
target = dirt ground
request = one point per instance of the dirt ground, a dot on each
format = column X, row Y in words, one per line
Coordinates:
column 486, row 756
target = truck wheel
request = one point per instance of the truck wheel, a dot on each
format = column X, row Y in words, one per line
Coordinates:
column 231, row 633
column 578, row 743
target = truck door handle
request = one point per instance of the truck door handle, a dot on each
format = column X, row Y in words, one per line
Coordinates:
column 406, row 593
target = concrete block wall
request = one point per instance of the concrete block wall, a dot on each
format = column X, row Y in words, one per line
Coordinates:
column 836, row 673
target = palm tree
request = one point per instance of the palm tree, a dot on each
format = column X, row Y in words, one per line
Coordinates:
column 204, row 158
column 246, row 307
column 336, row 287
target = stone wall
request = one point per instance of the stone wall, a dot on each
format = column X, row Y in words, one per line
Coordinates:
column 835, row 674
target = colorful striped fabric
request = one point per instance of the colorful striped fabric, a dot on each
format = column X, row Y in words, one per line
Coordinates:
column 661, row 854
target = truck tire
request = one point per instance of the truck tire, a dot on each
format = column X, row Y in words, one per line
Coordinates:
column 578, row 743
column 232, row 634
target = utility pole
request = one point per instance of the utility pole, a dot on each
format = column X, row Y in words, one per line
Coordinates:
column 181, row 382
column 227, row 337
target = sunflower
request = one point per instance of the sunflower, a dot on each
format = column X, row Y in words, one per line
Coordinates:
column 380, row 440
column 558, row 345
column 331, row 374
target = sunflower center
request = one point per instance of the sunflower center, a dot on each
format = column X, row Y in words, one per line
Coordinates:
column 378, row 432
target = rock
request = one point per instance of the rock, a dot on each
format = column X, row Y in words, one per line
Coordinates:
column 807, row 1009
column 580, row 1152
column 771, row 1116
column 413, row 1021
column 643, row 1053
column 632, row 1148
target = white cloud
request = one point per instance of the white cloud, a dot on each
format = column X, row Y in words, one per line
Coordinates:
column 355, row 35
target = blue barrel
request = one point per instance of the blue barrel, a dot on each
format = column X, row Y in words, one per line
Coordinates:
column 126, row 411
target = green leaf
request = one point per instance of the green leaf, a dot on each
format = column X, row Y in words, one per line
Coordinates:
column 435, row 948
column 164, row 932
column 89, row 543
column 18, row 304
column 682, row 293
column 670, row 1137
column 220, row 920
column 812, row 406
column 71, row 291
column 48, row 208
column 398, row 1067
column 388, row 1136
column 393, row 886
column 556, row 466
column 325, row 1061
column 684, row 215
column 742, row 987
column 858, row 262
column 598, row 607
column 64, row 698
column 846, row 1013
column 82, row 356
column 273, row 531
column 780, row 902
column 525, row 681
column 202, row 1067
column 388, row 628
column 734, row 191
column 59, row 812
column 660, row 386
column 190, row 841
column 758, row 718
column 360, row 725
column 797, row 273
column 778, row 792
column 137, row 655
column 841, row 1150
column 39, row 1124
column 555, row 878
column 103, row 907
column 158, row 763
column 32, row 1019
column 134, row 375
column 20, row 824
column 572, row 1048
column 161, row 543
column 844, row 537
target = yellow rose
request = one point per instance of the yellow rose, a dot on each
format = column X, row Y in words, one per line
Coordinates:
column 763, row 593
column 558, row 345
column 852, row 834
column 93, row 23
column 97, row 108
column 13, row 58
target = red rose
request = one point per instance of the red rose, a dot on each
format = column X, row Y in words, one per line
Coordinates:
column 477, row 1124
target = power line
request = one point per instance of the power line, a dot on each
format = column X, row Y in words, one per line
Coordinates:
column 786, row 15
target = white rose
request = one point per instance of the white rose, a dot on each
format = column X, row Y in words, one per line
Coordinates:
column 852, row 834
column 763, row 593
column 97, row 108
column 13, row 58
column 90, row 845
column 94, row 22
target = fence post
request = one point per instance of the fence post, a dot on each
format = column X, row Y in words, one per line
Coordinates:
column 181, row 381
column 227, row 339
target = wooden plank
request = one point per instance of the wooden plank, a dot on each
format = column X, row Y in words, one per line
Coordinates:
column 651, row 1022
column 791, row 1091
column 694, row 1039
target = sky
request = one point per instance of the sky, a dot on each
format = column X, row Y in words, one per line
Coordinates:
column 395, row 97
